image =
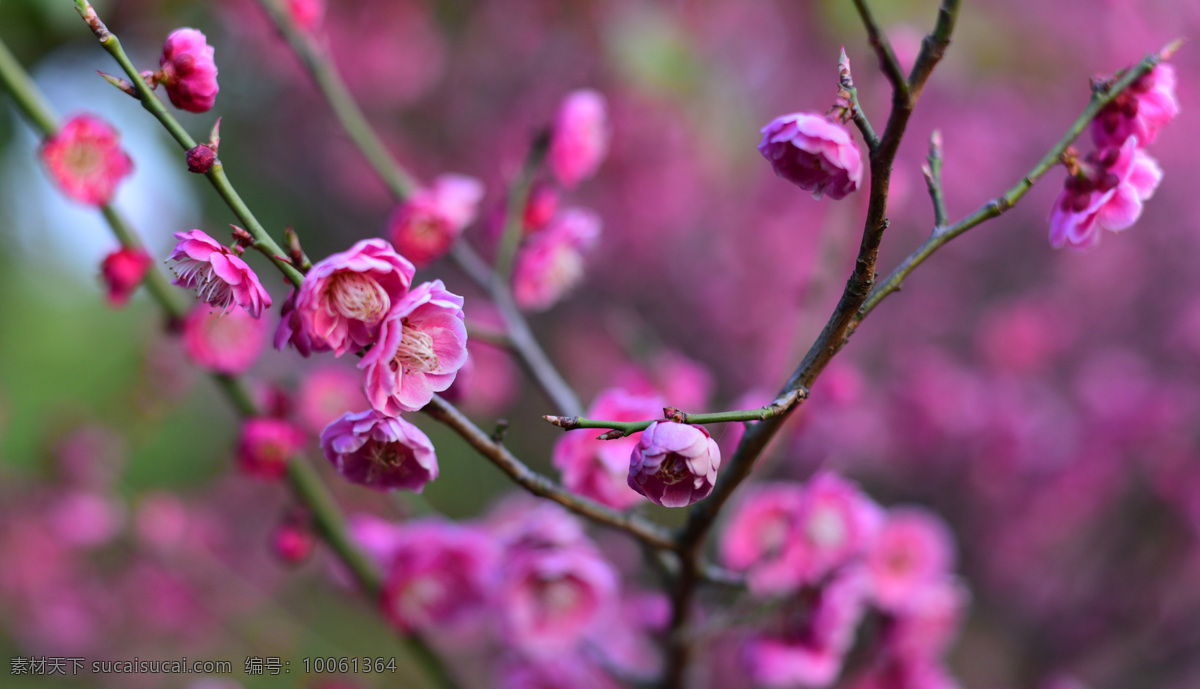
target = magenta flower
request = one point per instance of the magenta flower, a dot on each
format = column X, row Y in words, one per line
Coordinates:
column 293, row 541
column 266, row 446
column 1107, row 193
column 929, row 621
column 810, row 648
column 551, row 262
column 580, row 138
column 188, row 71
column 1141, row 110
column 913, row 549
column 219, row 276
column 551, row 598
column 291, row 331
column 123, row 271
column 674, row 464
column 814, row 153
column 86, row 160
column 598, row 469
column 226, row 343
column 345, row 298
column 421, row 346
column 439, row 574
column 760, row 537
column 380, row 452
column 424, row 227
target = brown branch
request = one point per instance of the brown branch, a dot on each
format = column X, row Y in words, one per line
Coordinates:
column 883, row 49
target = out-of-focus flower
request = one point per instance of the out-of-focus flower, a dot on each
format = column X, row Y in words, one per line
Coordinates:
column 1107, row 193
column 228, row 343
column 421, row 346
column 219, row 276
column 293, row 541
column 929, row 621
column 524, row 522
column 685, row 383
column 439, row 575
column 90, row 457
column 598, row 469
column 551, row 262
column 541, row 207
column 189, row 72
column 809, row 651
column 380, row 452
column 814, row 153
column 266, row 446
column 86, row 159
column 551, row 598
column 1141, row 110
column 580, row 138
column 424, row 227
column 123, row 271
column 325, row 395
column 674, row 464
column 86, row 519
column 760, row 535
column 569, row 670
column 913, row 548
column 308, row 14
column 346, row 297
column 837, row 524
column 161, row 520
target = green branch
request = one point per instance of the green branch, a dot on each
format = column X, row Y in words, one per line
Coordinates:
column 620, row 429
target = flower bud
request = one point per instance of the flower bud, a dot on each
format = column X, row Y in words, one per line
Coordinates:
column 200, row 159
column 674, row 464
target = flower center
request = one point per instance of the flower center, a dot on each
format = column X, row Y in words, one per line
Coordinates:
column 422, row 595
column 674, row 470
column 359, row 297
column 83, row 158
column 387, row 455
column 415, row 353
column 826, row 528
column 559, row 596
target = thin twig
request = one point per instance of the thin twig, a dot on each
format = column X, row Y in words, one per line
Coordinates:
column 883, row 49
column 779, row 406
column 933, row 47
column 644, row 530
column 850, row 93
column 1006, row 201
column 932, row 170
column 216, row 175
column 514, row 212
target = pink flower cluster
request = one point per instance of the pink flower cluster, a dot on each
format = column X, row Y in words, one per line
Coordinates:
column 832, row 552
column 1108, row 188
column 525, row 584
column 425, row 226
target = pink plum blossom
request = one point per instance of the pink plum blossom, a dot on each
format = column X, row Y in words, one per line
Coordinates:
column 220, row 277
column 421, row 346
column 438, row 574
column 814, row 153
column 759, row 537
column 527, row 523
column 345, row 297
column 1141, row 110
column 226, row 343
column 808, row 651
column 123, row 271
column 551, row 598
column 1108, row 193
column 913, row 548
column 598, row 469
column 86, row 519
column 86, row 160
column 380, row 452
column 580, row 137
column 929, row 621
column 325, row 394
column 266, row 446
column 189, row 72
column 550, row 263
column 674, row 464
column 426, row 225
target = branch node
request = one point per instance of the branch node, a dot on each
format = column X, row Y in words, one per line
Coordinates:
column 611, row 435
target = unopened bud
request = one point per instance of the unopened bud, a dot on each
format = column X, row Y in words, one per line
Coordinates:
column 200, row 159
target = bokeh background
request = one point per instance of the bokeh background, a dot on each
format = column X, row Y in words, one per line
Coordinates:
column 1045, row 403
